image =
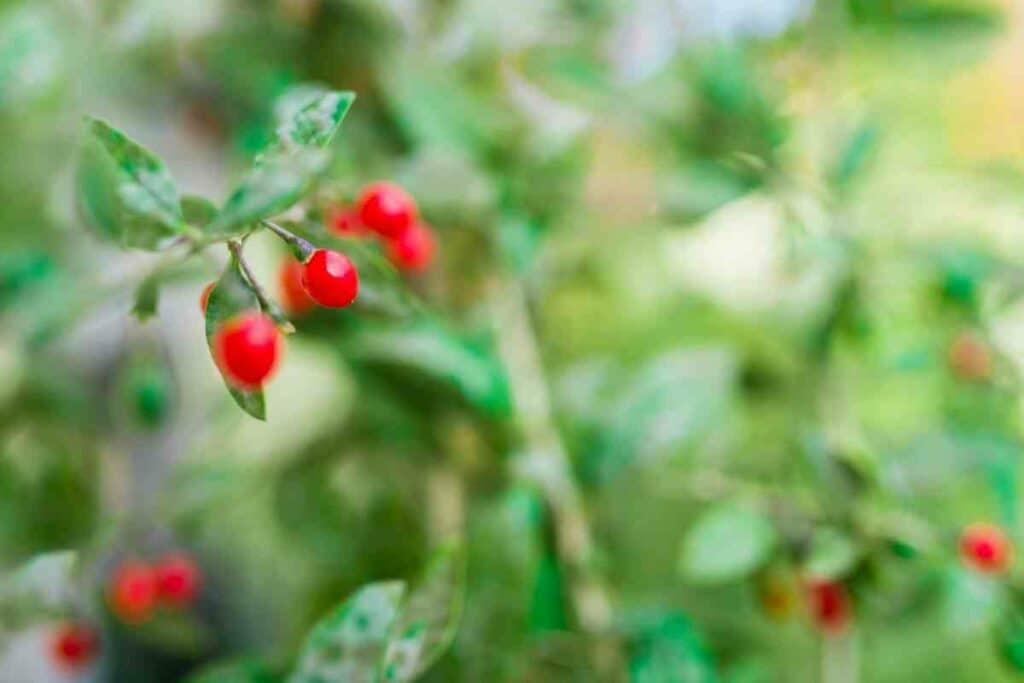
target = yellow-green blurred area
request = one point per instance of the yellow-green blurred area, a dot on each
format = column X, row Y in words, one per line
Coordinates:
column 729, row 300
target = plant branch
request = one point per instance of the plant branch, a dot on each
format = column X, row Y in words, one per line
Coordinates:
column 302, row 248
column 266, row 303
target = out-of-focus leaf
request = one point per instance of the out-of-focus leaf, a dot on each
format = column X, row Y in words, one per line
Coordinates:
column 309, row 117
column 35, row 590
column 197, row 211
column 348, row 644
column 32, row 52
column 832, row 554
column 125, row 192
column 276, row 181
column 429, row 617
column 432, row 352
column 671, row 651
column 236, row 671
column 727, row 543
column 147, row 295
column 854, row 155
column 548, row 605
column 232, row 295
column 972, row 600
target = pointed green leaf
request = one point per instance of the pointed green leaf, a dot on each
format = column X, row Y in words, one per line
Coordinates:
column 125, row 192
column 147, row 296
column 309, row 117
column 428, row 620
column 276, row 181
column 348, row 644
column 727, row 543
column 232, row 295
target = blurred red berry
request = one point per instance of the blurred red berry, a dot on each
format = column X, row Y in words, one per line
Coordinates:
column 386, row 209
column 248, row 348
column 413, row 249
column 330, row 278
column 73, row 645
column 178, row 580
column 345, row 221
column 970, row 358
column 132, row 592
column 293, row 295
column 829, row 604
column 985, row 547
column 204, row 297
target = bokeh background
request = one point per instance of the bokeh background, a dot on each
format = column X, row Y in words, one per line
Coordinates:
column 729, row 296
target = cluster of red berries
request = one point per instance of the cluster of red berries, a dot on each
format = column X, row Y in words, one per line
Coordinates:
column 137, row 588
column 387, row 211
column 73, row 645
column 985, row 548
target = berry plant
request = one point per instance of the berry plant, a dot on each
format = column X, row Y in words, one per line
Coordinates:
column 653, row 342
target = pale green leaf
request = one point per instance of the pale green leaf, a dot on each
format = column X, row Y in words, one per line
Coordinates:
column 727, row 543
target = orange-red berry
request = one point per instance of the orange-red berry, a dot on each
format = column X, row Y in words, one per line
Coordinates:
column 73, row 645
column 969, row 357
column 330, row 278
column 829, row 605
column 178, row 580
column 293, row 295
column 985, row 547
column 345, row 221
column 248, row 348
column 386, row 209
column 413, row 249
column 132, row 592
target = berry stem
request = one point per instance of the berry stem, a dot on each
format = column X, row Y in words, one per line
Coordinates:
column 303, row 248
column 266, row 303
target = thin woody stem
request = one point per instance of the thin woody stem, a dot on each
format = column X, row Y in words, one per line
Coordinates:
column 303, row 248
column 266, row 303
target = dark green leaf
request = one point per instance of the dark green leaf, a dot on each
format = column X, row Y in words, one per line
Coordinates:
column 309, row 117
column 124, row 191
column 434, row 353
column 669, row 651
column 349, row 643
column 428, row 619
column 236, row 671
column 275, row 182
column 147, row 296
column 229, row 297
column 727, row 543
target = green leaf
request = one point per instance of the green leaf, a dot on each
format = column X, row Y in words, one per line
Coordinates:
column 427, row 623
column 309, row 117
column 232, row 295
column 124, row 191
column 147, row 296
column 236, row 671
column 832, row 554
column 198, row 211
column 275, row 182
column 349, row 643
column 671, row 650
column 429, row 351
column 727, row 543
column 38, row 589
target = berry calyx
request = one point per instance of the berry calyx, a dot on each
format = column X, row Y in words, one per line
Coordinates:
column 969, row 358
column 386, row 209
column 776, row 597
column 293, row 295
column 345, row 221
column 330, row 278
column 413, row 249
column 204, row 296
column 178, row 580
column 132, row 592
column 73, row 645
column 985, row 548
column 248, row 348
column 829, row 605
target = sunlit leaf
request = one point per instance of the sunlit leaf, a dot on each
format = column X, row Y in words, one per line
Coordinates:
column 727, row 543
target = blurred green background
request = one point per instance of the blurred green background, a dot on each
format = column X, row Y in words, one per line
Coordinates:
column 729, row 297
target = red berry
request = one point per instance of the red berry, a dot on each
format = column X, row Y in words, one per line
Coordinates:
column 413, row 249
column 829, row 604
column 73, row 645
column 132, row 592
column 293, row 294
column 345, row 221
column 178, row 580
column 969, row 357
column 386, row 208
column 985, row 547
column 330, row 278
column 204, row 297
column 247, row 348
